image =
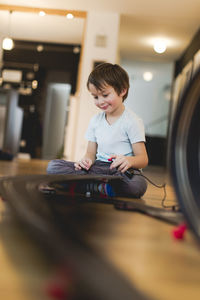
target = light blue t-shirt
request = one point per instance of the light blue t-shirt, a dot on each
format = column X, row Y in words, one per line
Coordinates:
column 116, row 138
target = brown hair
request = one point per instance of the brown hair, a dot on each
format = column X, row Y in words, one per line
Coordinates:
column 109, row 74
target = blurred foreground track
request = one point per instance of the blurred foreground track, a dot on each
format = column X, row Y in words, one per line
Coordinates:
column 128, row 243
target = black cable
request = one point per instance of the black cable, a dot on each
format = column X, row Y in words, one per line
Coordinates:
column 173, row 207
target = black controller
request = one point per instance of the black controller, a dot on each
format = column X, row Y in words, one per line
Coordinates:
column 130, row 172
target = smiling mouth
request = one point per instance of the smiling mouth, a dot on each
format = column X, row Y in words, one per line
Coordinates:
column 104, row 107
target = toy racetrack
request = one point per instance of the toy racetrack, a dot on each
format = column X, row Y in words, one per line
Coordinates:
column 51, row 208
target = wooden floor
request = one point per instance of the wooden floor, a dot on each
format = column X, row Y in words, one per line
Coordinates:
column 141, row 247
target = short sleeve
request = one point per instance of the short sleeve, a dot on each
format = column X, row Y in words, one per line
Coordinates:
column 135, row 130
column 90, row 132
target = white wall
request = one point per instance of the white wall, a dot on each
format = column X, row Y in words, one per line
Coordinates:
column 149, row 99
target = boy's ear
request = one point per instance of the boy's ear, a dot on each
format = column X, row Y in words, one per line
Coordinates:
column 123, row 92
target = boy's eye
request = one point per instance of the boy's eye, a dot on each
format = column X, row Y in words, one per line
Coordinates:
column 105, row 95
column 95, row 97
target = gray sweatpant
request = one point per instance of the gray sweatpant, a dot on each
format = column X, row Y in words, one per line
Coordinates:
column 134, row 187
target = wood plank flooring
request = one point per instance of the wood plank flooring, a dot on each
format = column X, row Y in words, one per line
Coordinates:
column 141, row 247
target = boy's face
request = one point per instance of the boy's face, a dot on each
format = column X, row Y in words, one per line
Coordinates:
column 106, row 99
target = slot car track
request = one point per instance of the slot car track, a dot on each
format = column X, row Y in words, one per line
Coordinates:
column 57, row 220
column 61, row 234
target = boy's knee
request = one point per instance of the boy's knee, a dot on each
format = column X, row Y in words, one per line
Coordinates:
column 57, row 166
column 52, row 166
column 60, row 166
column 135, row 187
column 141, row 187
column 140, row 191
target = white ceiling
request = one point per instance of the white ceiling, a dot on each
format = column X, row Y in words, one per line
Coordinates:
column 141, row 22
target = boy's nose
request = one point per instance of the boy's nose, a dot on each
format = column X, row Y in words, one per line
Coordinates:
column 101, row 101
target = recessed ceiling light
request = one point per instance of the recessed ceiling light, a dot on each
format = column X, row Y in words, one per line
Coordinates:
column 42, row 13
column 70, row 16
column 148, row 76
column 160, row 45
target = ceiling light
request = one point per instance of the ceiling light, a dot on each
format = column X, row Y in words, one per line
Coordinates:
column 42, row 13
column 34, row 84
column 40, row 48
column 7, row 43
column 148, row 76
column 36, row 67
column 30, row 75
column 160, row 45
column 76, row 50
column 70, row 16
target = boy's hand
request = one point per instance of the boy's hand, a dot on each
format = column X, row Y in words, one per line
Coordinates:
column 84, row 163
column 121, row 162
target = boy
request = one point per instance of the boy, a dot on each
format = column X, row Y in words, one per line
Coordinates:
column 115, row 136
